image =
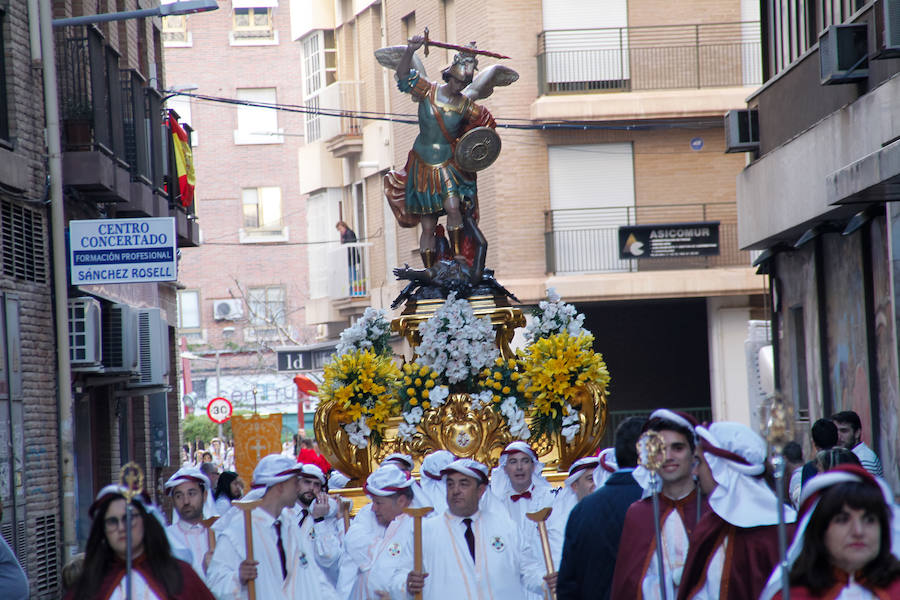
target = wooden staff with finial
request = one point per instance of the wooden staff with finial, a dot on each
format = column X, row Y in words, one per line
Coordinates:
column 540, row 517
column 778, row 434
column 247, row 506
column 417, row 514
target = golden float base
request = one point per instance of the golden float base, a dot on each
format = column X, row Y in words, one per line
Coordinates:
column 454, row 426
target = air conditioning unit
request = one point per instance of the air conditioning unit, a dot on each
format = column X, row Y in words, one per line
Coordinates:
column 228, row 310
column 742, row 130
column 85, row 351
column 120, row 347
column 844, row 54
column 152, row 349
column 891, row 48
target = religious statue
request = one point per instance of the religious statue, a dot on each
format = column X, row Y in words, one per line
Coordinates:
column 456, row 138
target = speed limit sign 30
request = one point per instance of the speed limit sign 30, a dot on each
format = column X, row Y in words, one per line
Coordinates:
column 219, row 410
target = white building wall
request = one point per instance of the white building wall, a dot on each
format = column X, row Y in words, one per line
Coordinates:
column 727, row 318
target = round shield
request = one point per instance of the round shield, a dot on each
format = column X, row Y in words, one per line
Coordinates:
column 477, row 149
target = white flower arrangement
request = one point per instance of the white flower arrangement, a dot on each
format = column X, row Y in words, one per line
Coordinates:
column 455, row 343
column 371, row 331
column 515, row 418
column 570, row 423
column 358, row 432
column 554, row 316
column 411, row 418
column 480, row 400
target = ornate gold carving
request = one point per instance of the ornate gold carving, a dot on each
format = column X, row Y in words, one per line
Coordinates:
column 480, row 435
column 504, row 320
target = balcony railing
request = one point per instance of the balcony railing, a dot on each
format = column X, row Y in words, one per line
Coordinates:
column 339, row 270
column 586, row 240
column 649, row 58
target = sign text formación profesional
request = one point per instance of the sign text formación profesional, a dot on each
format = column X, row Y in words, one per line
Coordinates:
column 122, row 251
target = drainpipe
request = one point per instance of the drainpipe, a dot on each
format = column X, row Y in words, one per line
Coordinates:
column 60, row 286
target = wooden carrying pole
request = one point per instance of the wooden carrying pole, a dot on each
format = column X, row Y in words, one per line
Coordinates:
column 248, row 506
column 540, row 517
column 417, row 514
column 210, row 534
column 346, row 507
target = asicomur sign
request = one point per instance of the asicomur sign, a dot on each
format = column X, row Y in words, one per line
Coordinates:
column 122, row 251
column 669, row 240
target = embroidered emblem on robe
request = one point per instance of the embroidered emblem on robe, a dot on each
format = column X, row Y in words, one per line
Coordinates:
column 394, row 549
column 497, row 544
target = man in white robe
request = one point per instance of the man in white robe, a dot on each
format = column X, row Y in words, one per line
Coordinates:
column 432, row 481
column 316, row 516
column 378, row 551
column 518, row 485
column 280, row 569
column 188, row 488
column 470, row 554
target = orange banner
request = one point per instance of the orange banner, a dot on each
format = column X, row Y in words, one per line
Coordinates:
column 255, row 436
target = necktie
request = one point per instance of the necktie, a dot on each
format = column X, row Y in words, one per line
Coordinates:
column 516, row 497
column 470, row 537
column 281, row 550
column 303, row 517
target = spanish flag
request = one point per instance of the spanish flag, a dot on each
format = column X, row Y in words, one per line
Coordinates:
column 184, row 162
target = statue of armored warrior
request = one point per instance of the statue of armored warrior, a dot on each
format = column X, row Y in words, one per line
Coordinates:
column 456, row 138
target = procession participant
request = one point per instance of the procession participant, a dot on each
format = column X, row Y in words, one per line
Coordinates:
column 404, row 462
column 517, row 483
column 155, row 573
column 734, row 546
column 188, row 490
column 432, row 481
column 606, row 468
column 228, row 488
column 316, row 515
column 578, row 484
column 377, row 556
column 469, row 553
column 277, row 569
column 842, row 546
column 217, row 450
column 229, row 457
column 212, row 473
column 680, row 507
column 594, row 526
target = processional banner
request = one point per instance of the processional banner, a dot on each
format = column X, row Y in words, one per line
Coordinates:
column 255, row 436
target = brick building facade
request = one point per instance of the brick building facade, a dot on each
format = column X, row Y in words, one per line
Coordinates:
column 114, row 147
column 245, row 288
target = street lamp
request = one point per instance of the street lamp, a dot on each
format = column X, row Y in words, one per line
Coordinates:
column 183, row 7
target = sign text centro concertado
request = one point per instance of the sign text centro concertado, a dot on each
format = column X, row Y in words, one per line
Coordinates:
column 669, row 240
column 122, row 250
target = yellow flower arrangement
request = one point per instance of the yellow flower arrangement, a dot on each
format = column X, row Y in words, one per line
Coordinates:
column 420, row 390
column 554, row 368
column 361, row 384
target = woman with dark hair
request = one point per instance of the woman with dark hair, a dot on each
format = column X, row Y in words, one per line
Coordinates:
column 228, row 488
column 155, row 574
column 842, row 548
column 829, row 459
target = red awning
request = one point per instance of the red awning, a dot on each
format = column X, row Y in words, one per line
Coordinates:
column 305, row 385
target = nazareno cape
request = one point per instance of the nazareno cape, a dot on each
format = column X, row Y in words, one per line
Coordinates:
column 751, row 555
column 192, row 587
column 639, row 533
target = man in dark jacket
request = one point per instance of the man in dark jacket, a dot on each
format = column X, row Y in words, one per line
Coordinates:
column 595, row 525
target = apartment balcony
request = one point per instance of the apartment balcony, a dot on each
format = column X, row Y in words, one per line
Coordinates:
column 336, row 125
column 114, row 147
column 339, row 281
column 586, row 240
column 582, row 73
